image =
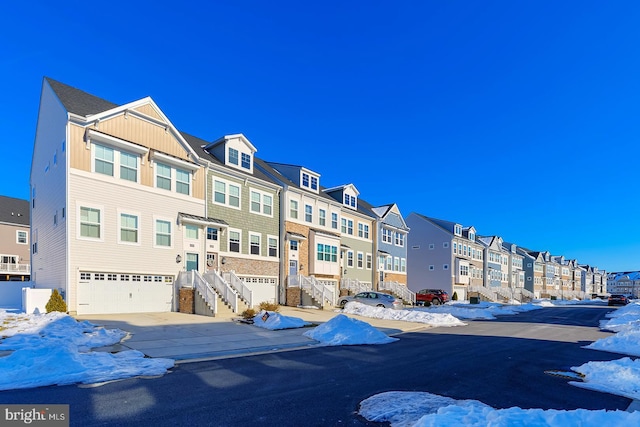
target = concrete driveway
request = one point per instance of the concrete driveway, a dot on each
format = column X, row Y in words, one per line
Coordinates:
column 188, row 337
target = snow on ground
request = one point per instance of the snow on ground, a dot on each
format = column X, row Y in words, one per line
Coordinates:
column 343, row 330
column 433, row 319
column 482, row 311
column 420, row 409
column 620, row 377
column 273, row 320
column 54, row 349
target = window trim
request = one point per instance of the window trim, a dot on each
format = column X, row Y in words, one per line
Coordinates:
column 102, row 229
column 271, row 237
column 234, row 230
column 227, row 193
column 26, row 237
column 251, row 245
column 138, row 229
column 171, row 232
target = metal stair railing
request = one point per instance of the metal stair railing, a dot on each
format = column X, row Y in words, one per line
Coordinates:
column 399, row 289
column 355, row 285
column 243, row 290
column 226, row 292
column 200, row 284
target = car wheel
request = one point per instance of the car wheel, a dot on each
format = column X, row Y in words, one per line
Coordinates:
column 343, row 303
column 380, row 305
column 435, row 301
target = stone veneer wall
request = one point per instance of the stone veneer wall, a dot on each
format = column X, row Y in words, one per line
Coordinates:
column 251, row 266
column 187, row 301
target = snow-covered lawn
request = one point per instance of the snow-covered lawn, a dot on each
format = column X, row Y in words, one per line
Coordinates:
column 273, row 321
column 621, row 377
column 343, row 330
column 55, row 349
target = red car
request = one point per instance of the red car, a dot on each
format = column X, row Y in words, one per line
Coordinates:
column 431, row 297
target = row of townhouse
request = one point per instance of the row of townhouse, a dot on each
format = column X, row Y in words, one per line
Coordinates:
column 624, row 283
column 449, row 256
column 125, row 208
column 14, row 239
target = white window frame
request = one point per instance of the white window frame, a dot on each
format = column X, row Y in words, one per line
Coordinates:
column 360, row 260
column 335, row 219
column 368, row 261
column 294, row 208
column 275, row 239
column 322, row 217
column 350, row 259
column 229, row 232
column 264, row 208
column 253, row 235
column 399, row 240
column 26, row 237
column 102, row 227
column 308, row 213
column 120, row 227
column 226, row 193
column 171, row 232
column 387, row 235
column 194, row 227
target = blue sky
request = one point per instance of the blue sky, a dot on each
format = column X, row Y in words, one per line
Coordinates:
column 519, row 118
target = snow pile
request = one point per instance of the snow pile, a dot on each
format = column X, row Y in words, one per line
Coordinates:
column 621, row 377
column 55, row 349
column 343, row 330
column 432, row 319
column 419, row 409
column 273, row 320
column 625, row 321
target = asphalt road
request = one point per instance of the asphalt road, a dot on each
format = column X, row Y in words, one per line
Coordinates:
column 501, row 363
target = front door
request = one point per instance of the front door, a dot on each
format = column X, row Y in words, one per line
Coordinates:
column 293, row 267
column 192, row 262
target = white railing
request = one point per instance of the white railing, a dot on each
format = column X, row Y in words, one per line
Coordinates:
column 7, row 267
column 193, row 279
column 318, row 291
column 243, row 290
column 355, row 286
column 226, row 292
column 399, row 289
column 485, row 292
column 505, row 293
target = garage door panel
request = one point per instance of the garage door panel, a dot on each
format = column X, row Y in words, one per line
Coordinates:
column 101, row 297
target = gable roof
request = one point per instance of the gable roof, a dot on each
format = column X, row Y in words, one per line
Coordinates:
column 14, row 211
column 77, row 101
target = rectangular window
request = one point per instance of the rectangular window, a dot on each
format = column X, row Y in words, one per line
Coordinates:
column 293, row 245
column 255, row 202
column 396, row 264
column 334, row 220
column 322, row 217
column 350, row 227
column 219, row 192
column 399, row 239
column 128, row 167
column 360, row 260
column 128, row 228
column 103, row 160
column 360, row 229
column 305, row 180
column 233, row 156
column 267, row 204
column 389, row 261
column 273, row 246
column 21, row 237
column 343, row 223
column 163, row 233
column 349, row 258
column 191, row 231
column 234, row 241
column 308, row 213
column 90, row 222
column 403, row 265
column 234, row 196
column 212, row 233
column 183, row 181
column 293, row 209
column 369, row 261
column 163, row 176
column 255, row 244
column 246, row 161
column 386, row 235
column 314, row 183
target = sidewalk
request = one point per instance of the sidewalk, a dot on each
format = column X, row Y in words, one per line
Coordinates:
column 187, row 337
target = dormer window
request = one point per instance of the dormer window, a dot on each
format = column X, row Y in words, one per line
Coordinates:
column 309, row 181
column 472, row 236
column 350, row 200
column 246, row 161
column 233, row 156
column 457, row 230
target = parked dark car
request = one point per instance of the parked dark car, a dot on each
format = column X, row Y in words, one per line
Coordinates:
column 618, row 300
column 375, row 299
column 431, row 297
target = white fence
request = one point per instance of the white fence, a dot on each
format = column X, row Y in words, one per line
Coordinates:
column 319, row 291
column 11, row 294
column 399, row 289
column 355, row 286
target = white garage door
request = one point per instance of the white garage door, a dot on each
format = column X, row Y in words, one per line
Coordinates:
column 102, row 293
